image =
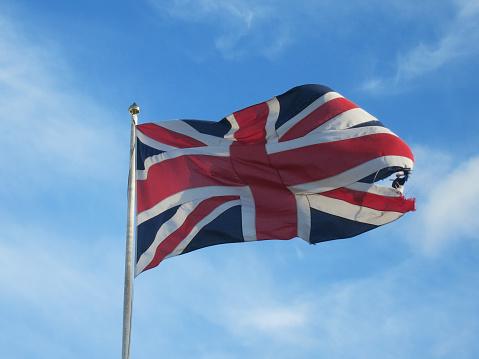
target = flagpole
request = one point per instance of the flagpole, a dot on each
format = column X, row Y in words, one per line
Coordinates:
column 130, row 229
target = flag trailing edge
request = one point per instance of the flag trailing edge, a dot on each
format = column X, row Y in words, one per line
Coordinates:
column 303, row 164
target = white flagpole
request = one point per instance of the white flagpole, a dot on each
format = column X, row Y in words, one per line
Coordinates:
column 130, row 232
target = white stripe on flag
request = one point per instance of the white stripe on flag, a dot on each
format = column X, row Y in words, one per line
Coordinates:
column 165, row 230
column 307, row 111
column 234, row 127
column 199, row 226
column 347, row 119
column 184, row 128
column 189, row 195
column 352, row 212
column 248, row 215
column 304, row 217
column 352, row 175
column 374, row 189
column 152, row 143
column 273, row 106
column 316, row 137
column 218, row 151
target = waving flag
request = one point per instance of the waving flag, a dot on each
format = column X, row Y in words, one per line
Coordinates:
column 302, row 164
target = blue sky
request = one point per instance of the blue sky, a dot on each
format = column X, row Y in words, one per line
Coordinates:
column 70, row 70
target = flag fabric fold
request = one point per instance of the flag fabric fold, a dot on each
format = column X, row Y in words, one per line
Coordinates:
column 302, row 164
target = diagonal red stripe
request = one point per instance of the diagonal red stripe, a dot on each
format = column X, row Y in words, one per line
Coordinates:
column 371, row 200
column 168, row 245
column 168, row 137
column 318, row 117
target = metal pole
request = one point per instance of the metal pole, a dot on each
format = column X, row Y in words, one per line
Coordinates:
column 130, row 232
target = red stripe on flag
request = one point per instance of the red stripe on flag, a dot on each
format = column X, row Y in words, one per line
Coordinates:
column 321, row 115
column 371, row 200
column 275, row 205
column 323, row 160
column 252, row 122
column 168, row 245
column 185, row 172
column 168, row 137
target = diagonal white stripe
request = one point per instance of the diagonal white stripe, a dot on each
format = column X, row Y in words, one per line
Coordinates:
column 152, row 143
column 218, row 151
column 183, row 128
column 199, row 226
column 165, row 230
column 317, row 137
column 352, row 212
column 308, row 110
column 374, row 189
column 173, row 224
column 346, row 120
column 193, row 194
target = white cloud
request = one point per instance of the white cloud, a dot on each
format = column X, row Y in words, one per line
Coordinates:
column 48, row 127
column 456, row 43
column 397, row 312
column 469, row 9
column 459, row 34
column 242, row 27
column 58, row 294
column 53, row 139
column 281, row 320
column 448, row 200
column 451, row 210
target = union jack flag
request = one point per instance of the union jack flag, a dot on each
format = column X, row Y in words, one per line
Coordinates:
column 302, row 164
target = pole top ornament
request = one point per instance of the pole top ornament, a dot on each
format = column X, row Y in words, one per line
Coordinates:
column 134, row 109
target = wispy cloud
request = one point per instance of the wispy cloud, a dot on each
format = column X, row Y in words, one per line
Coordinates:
column 52, row 136
column 448, row 200
column 58, row 293
column 396, row 310
column 456, row 43
column 48, row 127
column 241, row 27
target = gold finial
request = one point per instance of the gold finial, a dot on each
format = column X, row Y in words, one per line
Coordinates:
column 134, row 109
